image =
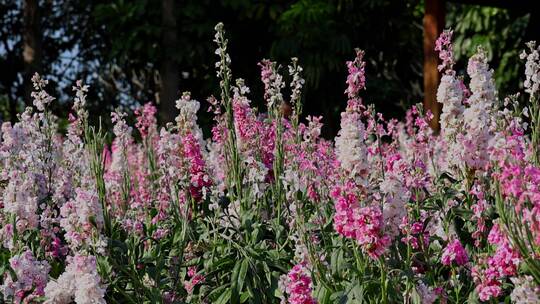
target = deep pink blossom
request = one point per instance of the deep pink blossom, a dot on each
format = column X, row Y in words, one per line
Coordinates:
column 298, row 285
column 364, row 224
column 200, row 181
column 146, row 119
column 356, row 80
column 454, row 253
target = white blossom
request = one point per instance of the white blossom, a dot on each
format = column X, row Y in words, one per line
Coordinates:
column 525, row 291
column 532, row 68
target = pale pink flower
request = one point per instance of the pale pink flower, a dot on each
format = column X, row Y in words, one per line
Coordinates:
column 31, row 278
column 444, row 46
column 80, row 282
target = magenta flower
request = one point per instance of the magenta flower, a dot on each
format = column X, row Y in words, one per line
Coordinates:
column 196, row 279
column 364, row 224
column 200, row 181
column 356, row 80
column 489, row 291
column 454, row 253
column 298, row 285
column 146, row 119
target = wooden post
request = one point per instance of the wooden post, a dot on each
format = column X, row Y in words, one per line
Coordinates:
column 433, row 26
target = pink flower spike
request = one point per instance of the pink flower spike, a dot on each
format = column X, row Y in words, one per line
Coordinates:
column 356, row 80
column 444, row 46
column 454, row 252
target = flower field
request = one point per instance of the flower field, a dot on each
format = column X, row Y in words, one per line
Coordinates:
column 268, row 211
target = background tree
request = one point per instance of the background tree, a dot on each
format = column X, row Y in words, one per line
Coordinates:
column 131, row 52
column 31, row 44
column 501, row 32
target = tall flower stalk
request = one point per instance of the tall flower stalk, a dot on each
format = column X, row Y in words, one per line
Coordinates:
column 232, row 156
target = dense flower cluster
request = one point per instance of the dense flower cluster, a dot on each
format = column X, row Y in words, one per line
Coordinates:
column 356, row 80
column 266, row 209
column 80, row 282
column 298, row 285
column 443, row 45
column 454, row 253
column 532, row 68
column 364, row 224
column 28, row 280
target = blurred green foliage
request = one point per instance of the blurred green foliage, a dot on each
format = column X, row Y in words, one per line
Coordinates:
column 321, row 33
column 116, row 47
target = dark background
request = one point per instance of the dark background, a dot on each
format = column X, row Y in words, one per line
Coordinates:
column 132, row 52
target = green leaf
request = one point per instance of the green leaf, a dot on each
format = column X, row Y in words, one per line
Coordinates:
column 242, row 274
column 245, row 295
column 322, row 294
column 339, row 297
column 235, row 294
column 473, row 298
column 224, row 298
column 415, row 297
column 358, row 292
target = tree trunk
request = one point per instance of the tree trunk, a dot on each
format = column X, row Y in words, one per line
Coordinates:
column 31, row 45
column 169, row 73
column 433, row 26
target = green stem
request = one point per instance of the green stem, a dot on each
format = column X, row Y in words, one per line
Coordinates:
column 384, row 289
